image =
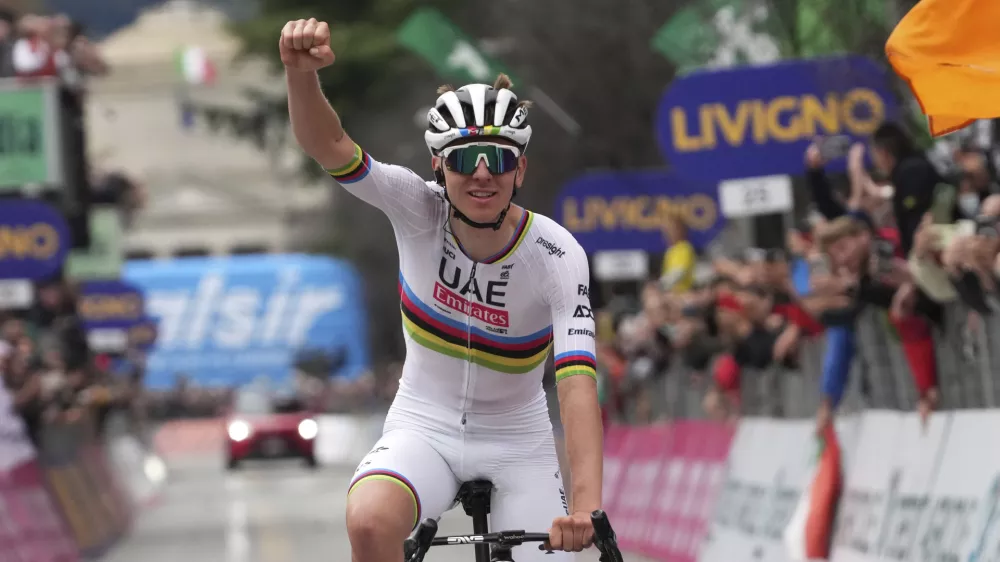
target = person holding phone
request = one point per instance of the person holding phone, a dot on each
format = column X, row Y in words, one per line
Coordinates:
column 914, row 178
column 865, row 198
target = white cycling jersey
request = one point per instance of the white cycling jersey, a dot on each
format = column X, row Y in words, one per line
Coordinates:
column 470, row 402
column 478, row 333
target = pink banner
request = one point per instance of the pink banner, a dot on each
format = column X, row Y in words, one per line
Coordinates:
column 31, row 530
column 688, row 489
column 614, row 463
column 668, row 490
column 645, row 449
column 662, row 485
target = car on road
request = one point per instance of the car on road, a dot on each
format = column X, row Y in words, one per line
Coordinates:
column 262, row 426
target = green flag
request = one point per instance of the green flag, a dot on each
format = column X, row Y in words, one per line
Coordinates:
column 737, row 32
column 430, row 34
column 690, row 39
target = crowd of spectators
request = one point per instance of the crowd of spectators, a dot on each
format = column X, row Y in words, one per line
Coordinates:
column 316, row 392
column 49, row 369
column 899, row 235
column 46, row 363
column 186, row 400
column 53, row 376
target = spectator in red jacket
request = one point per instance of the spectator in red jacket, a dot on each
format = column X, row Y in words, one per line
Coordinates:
column 34, row 54
column 56, row 47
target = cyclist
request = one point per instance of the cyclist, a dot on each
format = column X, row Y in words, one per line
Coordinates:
column 487, row 289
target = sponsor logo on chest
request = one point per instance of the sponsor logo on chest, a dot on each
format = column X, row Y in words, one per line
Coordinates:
column 461, row 291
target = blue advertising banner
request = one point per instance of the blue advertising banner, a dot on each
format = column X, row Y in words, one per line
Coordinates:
column 110, row 305
column 226, row 321
column 34, row 240
column 758, row 120
column 629, row 210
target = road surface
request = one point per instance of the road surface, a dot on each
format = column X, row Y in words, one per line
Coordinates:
column 261, row 513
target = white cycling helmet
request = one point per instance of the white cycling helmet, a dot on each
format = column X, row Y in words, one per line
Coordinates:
column 476, row 110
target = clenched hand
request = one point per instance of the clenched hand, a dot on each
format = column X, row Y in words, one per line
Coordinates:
column 305, row 45
column 572, row 533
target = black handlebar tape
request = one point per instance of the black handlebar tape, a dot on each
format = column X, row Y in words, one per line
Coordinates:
column 602, row 527
column 426, row 531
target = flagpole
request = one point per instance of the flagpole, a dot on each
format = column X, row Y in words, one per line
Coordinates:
column 183, row 93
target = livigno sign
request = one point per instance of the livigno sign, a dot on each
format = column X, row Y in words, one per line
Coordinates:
column 30, row 135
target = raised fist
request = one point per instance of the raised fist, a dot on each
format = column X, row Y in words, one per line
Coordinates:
column 305, row 45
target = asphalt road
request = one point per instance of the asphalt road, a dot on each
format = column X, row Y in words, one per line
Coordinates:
column 278, row 512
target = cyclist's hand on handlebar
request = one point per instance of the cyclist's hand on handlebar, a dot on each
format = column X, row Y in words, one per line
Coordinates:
column 572, row 533
column 305, row 45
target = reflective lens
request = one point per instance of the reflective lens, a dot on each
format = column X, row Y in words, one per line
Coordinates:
column 465, row 159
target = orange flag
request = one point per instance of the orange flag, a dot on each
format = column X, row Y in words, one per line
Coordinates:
column 949, row 53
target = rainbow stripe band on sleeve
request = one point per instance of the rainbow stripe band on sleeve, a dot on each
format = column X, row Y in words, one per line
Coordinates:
column 356, row 170
column 575, row 363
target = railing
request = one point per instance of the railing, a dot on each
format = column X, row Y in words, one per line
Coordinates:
column 968, row 369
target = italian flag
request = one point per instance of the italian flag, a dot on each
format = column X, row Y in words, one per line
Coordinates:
column 809, row 534
column 195, row 67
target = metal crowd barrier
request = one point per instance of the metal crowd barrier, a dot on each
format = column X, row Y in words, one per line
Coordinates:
column 968, row 368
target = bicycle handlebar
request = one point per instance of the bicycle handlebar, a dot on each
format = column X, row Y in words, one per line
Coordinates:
column 503, row 538
column 416, row 547
column 605, row 538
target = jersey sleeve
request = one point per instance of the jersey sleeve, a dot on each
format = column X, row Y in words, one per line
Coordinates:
column 572, row 318
column 398, row 192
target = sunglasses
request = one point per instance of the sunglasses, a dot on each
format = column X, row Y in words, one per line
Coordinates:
column 464, row 159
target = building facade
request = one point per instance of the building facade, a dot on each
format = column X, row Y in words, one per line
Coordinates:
column 207, row 192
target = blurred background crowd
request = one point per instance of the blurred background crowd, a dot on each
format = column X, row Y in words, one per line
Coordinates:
column 900, row 238
column 876, row 286
column 45, row 359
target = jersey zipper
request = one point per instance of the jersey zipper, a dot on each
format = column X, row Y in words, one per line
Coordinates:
column 468, row 364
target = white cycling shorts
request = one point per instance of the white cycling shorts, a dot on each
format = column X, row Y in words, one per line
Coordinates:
column 528, row 490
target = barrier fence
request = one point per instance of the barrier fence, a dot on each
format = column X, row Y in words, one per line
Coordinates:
column 907, row 491
column 910, row 492
column 968, row 369
column 74, row 495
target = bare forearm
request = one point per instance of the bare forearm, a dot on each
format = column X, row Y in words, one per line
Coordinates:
column 581, row 417
column 858, row 180
column 315, row 124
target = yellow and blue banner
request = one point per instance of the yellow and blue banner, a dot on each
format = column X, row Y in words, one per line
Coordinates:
column 753, row 121
column 630, row 210
column 34, row 240
column 110, row 304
